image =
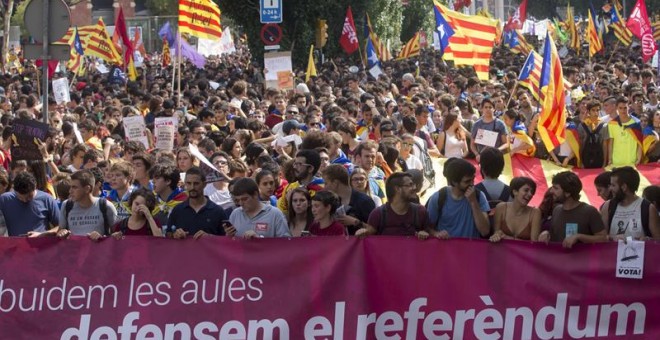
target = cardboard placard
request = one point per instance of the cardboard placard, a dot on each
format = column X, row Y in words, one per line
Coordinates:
column 278, row 70
column 61, row 91
column 136, row 130
column 164, row 131
column 24, row 137
column 211, row 173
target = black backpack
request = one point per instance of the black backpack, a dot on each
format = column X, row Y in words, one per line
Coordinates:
column 492, row 203
column 591, row 153
column 645, row 207
column 103, row 206
column 429, row 171
column 442, row 198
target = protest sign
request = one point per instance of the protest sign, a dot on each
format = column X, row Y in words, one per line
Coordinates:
column 61, row 91
column 136, row 130
column 164, row 129
column 24, row 139
column 294, row 289
column 278, row 70
column 210, row 171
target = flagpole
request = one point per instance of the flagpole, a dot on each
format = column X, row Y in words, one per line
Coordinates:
column 515, row 87
column 361, row 57
column 616, row 45
column 178, row 49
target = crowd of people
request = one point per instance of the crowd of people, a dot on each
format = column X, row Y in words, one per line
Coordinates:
column 341, row 154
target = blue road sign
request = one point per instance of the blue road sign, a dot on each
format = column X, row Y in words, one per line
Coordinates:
column 270, row 11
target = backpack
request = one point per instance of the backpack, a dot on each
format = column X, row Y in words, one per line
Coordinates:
column 492, row 203
column 383, row 215
column 429, row 171
column 591, row 153
column 103, row 206
column 442, row 198
column 646, row 206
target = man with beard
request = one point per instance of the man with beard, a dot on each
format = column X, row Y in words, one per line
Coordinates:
column 572, row 221
column 627, row 214
column 398, row 217
column 459, row 210
column 197, row 216
column 305, row 166
column 528, row 111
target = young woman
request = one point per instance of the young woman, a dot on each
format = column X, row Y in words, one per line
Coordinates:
column 452, row 142
column 519, row 140
column 184, row 159
column 324, row 206
column 517, row 220
column 232, row 147
column 140, row 222
column 266, row 182
column 300, row 216
column 406, row 153
column 360, row 182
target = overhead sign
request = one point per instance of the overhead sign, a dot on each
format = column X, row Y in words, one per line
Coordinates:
column 270, row 11
column 271, row 34
column 58, row 23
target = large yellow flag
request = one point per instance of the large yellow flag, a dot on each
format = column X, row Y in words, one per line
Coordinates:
column 311, row 67
column 98, row 44
column 200, row 18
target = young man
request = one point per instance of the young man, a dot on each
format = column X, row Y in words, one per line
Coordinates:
column 165, row 179
column 218, row 191
column 84, row 214
column 305, row 166
column 253, row 219
column 197, row 216
column 355, row 205
column 142, row 163
column 456, row 210
column 121, row 176
column 628, row 214
column 623, row 148
column 488, row 122
column 591, row 132
column 28, row 211
column 572, row 221
column 365, row 158
column 399, row 216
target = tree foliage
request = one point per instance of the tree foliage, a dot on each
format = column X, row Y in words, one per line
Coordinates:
column 162, row 7
column 417, row 16
column 299, row 23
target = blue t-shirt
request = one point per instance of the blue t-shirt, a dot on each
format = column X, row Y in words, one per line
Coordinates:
column 35, row 215
column 457, row 217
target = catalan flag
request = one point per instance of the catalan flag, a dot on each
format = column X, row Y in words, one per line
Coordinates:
column 572, row 30
column 200, row 18
column 573, row 140
column 83, row 32
column 472, row 42
column 618, row 24
column 167, row 55
column 76, row 59
column 656, row 30
column 100, row 45
column 519, row 132
column 650, row 138
column 552, row 120
column 517, row 42
column 411, row 48
column 595, row 42
column 381, row 49
column 530, row 74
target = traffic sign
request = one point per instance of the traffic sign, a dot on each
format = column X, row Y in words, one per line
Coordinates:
column 271, row 34
column 270, row 11
column 59, row 19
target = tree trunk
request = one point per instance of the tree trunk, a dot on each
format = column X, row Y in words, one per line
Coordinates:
column 5, row 30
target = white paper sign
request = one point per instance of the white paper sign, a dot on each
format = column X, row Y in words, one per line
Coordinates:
column 214, row 85
column 211, row 172
column 217, row 47
column 136, row 130
column 375, row 71
column 486, row 137
column 630, row 259
column 61, row 91
column 77, row 133
column 102, row 68
column 164, row 128
column 276, row 62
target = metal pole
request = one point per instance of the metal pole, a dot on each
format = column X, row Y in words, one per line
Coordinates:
column 44, row 64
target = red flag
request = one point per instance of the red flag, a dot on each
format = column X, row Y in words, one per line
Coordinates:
column 518, row 18
column 52, row 66
column 349, row 40
column 459, row 4
column 640, row 26
column 120, row 26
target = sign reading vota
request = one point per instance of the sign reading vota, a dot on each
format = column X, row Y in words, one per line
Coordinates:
column 270, row 11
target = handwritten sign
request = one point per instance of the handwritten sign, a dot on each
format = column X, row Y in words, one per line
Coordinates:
column 136, row 130
column 486, row 137
column 164, row 128
column 61, row 91
column 25, row 136
column 278, row 70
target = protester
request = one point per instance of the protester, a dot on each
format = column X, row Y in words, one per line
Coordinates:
column 324, row 206
column 516, row 219
column 253, row 219
column 305, row 166
column 28, row 211
column 300, row 215
column 355, row 206
column 141, row 222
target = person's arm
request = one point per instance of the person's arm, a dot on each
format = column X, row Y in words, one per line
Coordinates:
column 609, row 144
column 480, row 217
column 536, row 224
column 440, row 142
column 155, row 229
column 281, row 227
column 505, row 143
column 598, row 237
column 531, row 129
column 604, row 213
column 366, row 229
column 654, row 222
column 473, row 145
column 568, row 158
column 498, row 235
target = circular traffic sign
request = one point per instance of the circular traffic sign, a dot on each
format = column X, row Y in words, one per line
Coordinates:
column 58, row 23
column 271, row 34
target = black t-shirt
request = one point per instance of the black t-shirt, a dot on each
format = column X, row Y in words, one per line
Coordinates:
column 359, row 207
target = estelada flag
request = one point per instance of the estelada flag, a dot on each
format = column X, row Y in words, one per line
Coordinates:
column 411, row 48
column 200, row 18
column 349, row 41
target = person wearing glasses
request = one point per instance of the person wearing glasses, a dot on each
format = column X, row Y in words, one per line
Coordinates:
column 218, row 192
column 305, row 166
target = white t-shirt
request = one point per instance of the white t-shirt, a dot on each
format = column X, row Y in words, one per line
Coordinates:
column 219, row 197
column 414, row 163
column 627, row 221
column 453, row 147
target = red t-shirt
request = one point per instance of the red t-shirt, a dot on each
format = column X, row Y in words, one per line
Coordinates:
column 123, row 227
column 399, row 225
column 334, row 229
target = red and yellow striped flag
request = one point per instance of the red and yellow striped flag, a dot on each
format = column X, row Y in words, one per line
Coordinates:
column 595, row 43
column 98, row 44
column 200, row 18
column 83, row 32
column 410, row 49
column 656, row 30
column 572, row 30
column 472, row 42
column 552, row 120
column 167, row 57
column 382, row 51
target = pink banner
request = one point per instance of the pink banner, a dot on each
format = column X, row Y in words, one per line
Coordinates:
column 321, row 288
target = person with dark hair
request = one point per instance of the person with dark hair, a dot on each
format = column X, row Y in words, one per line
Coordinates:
column 218, row 191
column 602, row 184
column 306, row 166
column 197, row 216
column 266, row 182
column 84, row 214
column 491, row 167
column 300, row 213
column 141, row 222
column 142, row 163
column 165, row 179
column 572, row 221
column 623, row 149
column 355, row 205
column 626, row 214
column 516, row 219
column 459, row 209
column 254, row 219
column 488, row 124
column 324, row 206
column 28, row 211
column 652, row 194
column 399, row 216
